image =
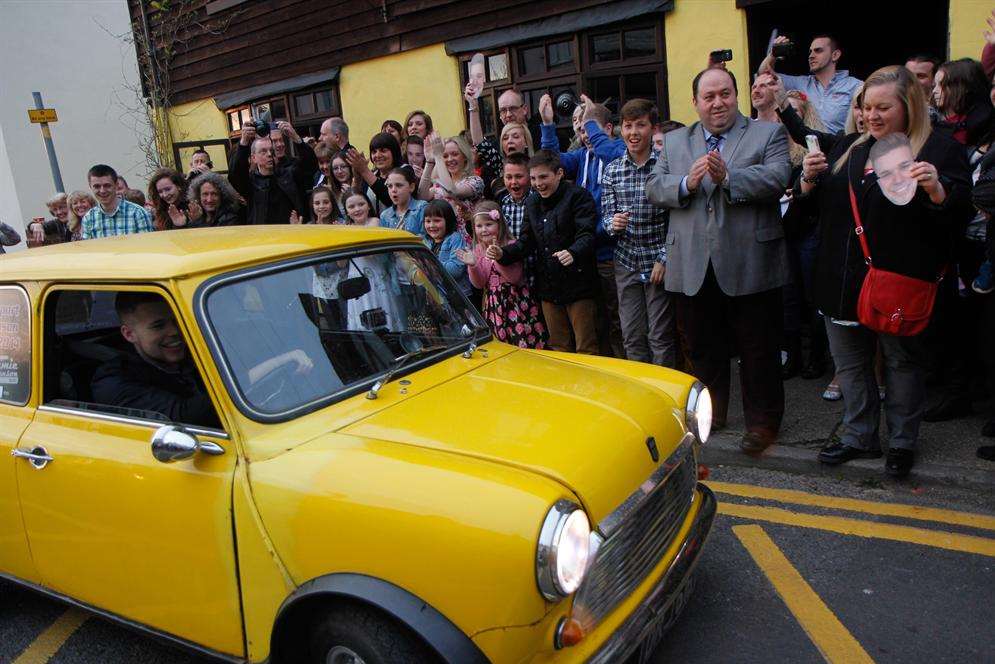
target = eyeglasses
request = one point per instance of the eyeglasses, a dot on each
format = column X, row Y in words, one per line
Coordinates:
column 508, row 110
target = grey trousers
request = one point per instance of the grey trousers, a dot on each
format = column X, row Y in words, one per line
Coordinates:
column 853, row 350
column 646, row 311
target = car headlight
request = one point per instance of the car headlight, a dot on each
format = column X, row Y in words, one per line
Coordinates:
column 698, row 413
column 564, row 550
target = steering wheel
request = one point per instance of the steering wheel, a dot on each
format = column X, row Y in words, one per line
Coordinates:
column 272, row 383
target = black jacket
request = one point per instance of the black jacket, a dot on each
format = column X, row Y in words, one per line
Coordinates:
column 565, row 220
column 225, row 216
column 915, row 240
column 130, row 382
column 270, row 198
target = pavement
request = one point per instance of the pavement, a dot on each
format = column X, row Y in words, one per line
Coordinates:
column 945, row 455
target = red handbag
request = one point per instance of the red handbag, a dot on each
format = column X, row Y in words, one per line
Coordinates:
column 892, row 303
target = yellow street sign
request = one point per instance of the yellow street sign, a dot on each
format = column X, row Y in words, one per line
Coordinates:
column 38, row 115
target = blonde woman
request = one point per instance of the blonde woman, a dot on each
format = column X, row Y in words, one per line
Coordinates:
column 911, row 239
column 80, row 203
column 449, row 176
column 515, row 137
column 55, row 230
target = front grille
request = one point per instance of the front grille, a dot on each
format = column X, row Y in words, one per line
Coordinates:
column 636, row 545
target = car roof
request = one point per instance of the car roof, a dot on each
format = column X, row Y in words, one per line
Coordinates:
column 183, row 252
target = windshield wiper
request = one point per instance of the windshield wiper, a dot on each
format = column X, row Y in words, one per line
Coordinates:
column 399, row 363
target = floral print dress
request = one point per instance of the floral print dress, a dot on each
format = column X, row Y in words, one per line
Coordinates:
column 509, row 307
column 463, row 207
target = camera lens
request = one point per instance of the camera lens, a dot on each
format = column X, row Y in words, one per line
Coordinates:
column 262, row 129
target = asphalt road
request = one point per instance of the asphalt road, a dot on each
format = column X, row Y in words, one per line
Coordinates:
column 786, row 577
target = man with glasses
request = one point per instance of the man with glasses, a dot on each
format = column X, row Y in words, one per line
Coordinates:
column 512, row 107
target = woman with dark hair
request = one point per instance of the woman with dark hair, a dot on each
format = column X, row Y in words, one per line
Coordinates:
column 908, row 234
column 168, row 197
column 960, row 94
column 394, row 128
column 217, row 199
column 385, row 153
column 418, row 123
column 414, row 154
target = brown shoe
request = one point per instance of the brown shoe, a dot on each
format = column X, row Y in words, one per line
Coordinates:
column 754, row 442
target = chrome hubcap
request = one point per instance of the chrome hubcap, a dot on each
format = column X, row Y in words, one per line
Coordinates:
column 343, row 655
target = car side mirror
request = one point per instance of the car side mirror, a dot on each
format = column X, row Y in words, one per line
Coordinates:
column 174, row 443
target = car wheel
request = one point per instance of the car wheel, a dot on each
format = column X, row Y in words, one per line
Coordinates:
column 358, row 634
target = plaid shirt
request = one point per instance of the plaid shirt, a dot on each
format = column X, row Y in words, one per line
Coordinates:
column 514, row 212
column 127, row 218
column 644, row 241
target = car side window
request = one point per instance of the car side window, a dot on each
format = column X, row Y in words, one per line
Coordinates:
column 121, row 353
column 15, row 346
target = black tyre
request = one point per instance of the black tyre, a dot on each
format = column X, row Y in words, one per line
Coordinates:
column 359, row 634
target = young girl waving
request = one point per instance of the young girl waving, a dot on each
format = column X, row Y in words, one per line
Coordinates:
column 508, row 306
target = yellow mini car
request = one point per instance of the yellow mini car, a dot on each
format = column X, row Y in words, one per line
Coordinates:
column 302, row 444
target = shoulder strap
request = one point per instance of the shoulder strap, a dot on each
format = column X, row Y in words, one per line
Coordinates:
column 857, row 223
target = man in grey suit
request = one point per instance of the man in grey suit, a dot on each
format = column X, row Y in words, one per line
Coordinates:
column 721, row 178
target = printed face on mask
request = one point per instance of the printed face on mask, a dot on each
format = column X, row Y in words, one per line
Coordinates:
column 892, row 168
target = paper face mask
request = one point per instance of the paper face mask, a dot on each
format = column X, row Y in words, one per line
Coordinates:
column 892, row 160
column 477, row 74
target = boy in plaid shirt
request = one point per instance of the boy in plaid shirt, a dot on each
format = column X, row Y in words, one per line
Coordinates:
column 645, row 308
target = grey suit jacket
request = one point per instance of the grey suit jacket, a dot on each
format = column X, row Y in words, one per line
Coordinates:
column 737, row 227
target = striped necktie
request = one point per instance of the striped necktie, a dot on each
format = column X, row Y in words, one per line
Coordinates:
column 713, row 142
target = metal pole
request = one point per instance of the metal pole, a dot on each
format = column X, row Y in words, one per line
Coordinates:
column 53, row 161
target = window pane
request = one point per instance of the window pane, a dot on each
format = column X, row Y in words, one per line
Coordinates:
column 640, row 43
column 532, row 60
column 246, row 115
column 15, row 346
column 233, row 121
column 323, row 101
column 605, row 89
column 604, row 48
column 487, row 113
column 497, row 67
column 641, row 85
column 305, row 104
column 279, row 109
column 560, row 54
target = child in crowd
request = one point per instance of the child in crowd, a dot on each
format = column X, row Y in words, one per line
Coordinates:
column 414, row 154
column 508, row 305
column 644, row 306
column 406, row 212
column 559, row 231
column 359, row 211
column 323, row 210
column 441, row 235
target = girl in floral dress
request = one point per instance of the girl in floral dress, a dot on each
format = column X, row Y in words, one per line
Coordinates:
column 508, row 305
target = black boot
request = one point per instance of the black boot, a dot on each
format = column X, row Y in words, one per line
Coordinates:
column 793, row 364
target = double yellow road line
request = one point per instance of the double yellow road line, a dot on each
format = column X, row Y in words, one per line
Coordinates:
column 827, row 633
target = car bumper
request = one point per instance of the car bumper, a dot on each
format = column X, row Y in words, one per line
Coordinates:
column 661, row 606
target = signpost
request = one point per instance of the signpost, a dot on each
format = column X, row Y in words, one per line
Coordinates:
column 41, row 115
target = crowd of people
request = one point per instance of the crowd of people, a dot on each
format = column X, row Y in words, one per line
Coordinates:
column 846, row 218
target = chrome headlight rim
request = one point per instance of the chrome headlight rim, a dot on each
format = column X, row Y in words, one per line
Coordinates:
column 699, row 401
column 549, row 548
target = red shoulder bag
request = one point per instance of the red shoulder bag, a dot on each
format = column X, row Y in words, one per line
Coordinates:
column 892, row 303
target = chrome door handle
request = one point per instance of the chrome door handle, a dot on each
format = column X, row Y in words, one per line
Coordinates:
column 38, row 457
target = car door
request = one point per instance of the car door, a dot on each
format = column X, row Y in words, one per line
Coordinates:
column 107, row 523
column 16, row 411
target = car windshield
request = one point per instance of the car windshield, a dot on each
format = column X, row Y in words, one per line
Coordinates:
column 296, row 337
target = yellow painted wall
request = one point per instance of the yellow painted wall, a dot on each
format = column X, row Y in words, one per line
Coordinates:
column 694, row 29
column 390, row 87
column 197, row 121
column 967, row 23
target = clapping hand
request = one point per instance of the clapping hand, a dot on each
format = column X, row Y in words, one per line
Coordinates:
column 989, row 34
column 294, row 217
column 697, row 173
column 357, row 160
column 194, row 211
column 466, row 257
column 546, row 113
column 37, row 232
column 434, row 142
column 716, row 166
column 177, row 216
column 494, row 252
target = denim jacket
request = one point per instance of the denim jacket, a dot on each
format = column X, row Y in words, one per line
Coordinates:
column 447, row 254
column 413, row 220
